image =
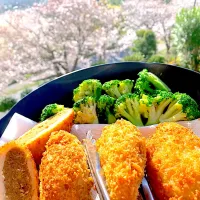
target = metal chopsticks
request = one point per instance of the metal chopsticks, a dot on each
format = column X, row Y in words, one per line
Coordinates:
column 94, row 164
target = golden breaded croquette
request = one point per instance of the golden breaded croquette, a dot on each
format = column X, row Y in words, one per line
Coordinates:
column 18, row 173
column 122, row 153
column 64, row 173
column 173, row 157
column 35, row 139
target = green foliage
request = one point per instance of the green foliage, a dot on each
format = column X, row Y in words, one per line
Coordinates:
column 186, row 34
column 157, row 59
column 99, row 62
column 137, row 56
column 25, row 92
column 175, row 60
column 7, row 103
column 145, row 43
column 28, row 75
column 167, row 1
column 115, row 2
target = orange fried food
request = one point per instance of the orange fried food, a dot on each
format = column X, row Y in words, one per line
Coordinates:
column 64, row 173
column 122, row 154
column 18, row 173
column 173, row 157
column 36, row 138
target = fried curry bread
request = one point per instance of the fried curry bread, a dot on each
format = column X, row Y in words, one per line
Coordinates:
column 64, row 173
column 173, row 157
column 122, row 153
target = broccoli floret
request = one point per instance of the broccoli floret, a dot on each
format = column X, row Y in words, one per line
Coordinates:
column 148, row 82
column 50, row 110
column 105, row 106
column 125, row 86
column 90, row 87
column 153, row 106
column 116, row 88
column 183, row 107
column 128, row 106
column 85, row 111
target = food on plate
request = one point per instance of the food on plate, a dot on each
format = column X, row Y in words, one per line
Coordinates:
column 165, row 106
column 89, row 87
column 149, row 102
column 36, row 138
column 64, row 173
column 128, row 107
column 148, row 83
column 153, row 106
column 85, row 111
column 116, row 88
column 182, row 107
column 18, row 173
column 173, row 157
column 50, row 110
column 158, row 107
column 122, row 153
column 105, row 111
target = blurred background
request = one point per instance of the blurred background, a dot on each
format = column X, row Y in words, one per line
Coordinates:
column 43, row 39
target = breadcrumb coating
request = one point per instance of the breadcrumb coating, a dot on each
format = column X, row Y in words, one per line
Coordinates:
column 173, row 162
column 64, row 173
column 35, row 139
column 122, row 154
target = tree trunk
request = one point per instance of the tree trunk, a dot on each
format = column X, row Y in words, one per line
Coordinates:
column 195, row 62
column 167, row 46
column 196, row 65
column 57, row 70
column 195, row 1
column 75, row 64
column 166, row 38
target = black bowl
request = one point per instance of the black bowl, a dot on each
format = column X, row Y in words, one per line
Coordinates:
column 60, row 89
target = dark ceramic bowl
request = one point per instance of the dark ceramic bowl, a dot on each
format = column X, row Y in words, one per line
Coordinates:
column 60, row 89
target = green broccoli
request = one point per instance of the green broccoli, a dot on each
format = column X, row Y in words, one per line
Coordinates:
column 50, row 110
column 128, row 106
column 125, row 86
column 183, row 107
column 89, row 87
column 85, row 111
column 153, row 106
column 148, row 82
column 105, row 106
column 116, row 88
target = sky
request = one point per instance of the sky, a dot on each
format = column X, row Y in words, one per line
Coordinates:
column 6, row 2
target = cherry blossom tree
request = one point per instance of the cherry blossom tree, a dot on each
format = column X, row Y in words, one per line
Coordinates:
column 54, row 38
column 156, row 15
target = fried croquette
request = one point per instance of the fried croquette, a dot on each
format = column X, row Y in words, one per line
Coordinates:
column 36, row 138
column 173, row 157
column 64, row 173
column 18, row 173
column 122, row 153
